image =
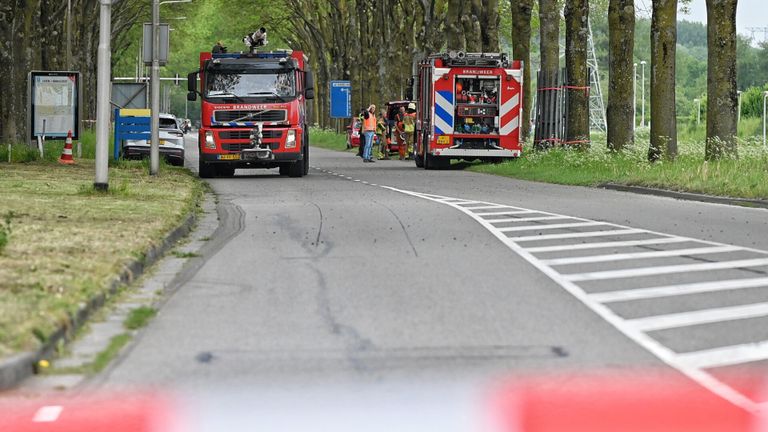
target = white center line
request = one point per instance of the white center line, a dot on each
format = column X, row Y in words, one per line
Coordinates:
column 706, row 316
column 640, row 255
column 652, row 271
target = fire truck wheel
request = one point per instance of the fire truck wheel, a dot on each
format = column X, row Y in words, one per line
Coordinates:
column 437, row 162
column 306, row 158
column 225, row 171
column 205, row 170
column 284, row 168
column 419, row 159
column 296, row 169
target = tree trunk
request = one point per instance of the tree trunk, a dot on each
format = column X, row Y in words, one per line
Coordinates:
column 621, row 113
column 470, row 20
column 453, row 26
column 576, row 36
column 722, row 100
column 663, row 50
column 490, row 25
column 549, row 32
column 522, row 11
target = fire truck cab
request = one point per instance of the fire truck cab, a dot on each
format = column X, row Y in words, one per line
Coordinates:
column 469, row 107
column 254, row 112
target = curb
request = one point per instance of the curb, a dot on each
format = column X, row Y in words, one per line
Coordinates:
column 688, row 196
column 18, row 367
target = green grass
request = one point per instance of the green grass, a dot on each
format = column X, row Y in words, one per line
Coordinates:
column 68, row 241
column 52, row 149
column 103, row 359
column 178, row 254
column 327, row 139
column 139, row 317
column 742, row 177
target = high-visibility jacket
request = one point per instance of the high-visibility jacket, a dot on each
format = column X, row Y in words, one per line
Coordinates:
column 409, row 122
column 369, row 124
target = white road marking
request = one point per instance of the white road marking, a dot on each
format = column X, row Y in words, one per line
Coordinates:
column 576, row 235
column 653, row 271
column 690, row 364
column 640, row 255
column 47, row 414
column 530, row 219
column 726, row 356
column 706, row 316
column 583, row 246
column 549, row 227
column 511, row 212
column 486, row 207
column 676, row 290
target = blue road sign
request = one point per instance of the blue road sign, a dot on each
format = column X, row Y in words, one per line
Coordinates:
column 341, row 99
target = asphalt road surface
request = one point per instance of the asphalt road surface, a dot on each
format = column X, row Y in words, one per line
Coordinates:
column 384, row 272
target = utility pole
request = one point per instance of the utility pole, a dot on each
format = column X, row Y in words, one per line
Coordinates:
column 634, row 98
column 642, row 89
column 69, row 35
column 103, row 96
column 154, row 151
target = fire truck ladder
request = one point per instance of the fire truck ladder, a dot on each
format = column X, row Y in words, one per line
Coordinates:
column 597, row 120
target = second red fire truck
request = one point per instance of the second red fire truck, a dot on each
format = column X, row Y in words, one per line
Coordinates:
column 469, row 106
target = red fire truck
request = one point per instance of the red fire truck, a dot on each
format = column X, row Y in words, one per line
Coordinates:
column 254, row 112
column 469, row 107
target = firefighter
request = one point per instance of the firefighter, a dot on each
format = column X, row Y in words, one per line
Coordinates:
column 361, row 141
column 381, row 134
column 409, row 127
column 219, row 48
column 369, row 129
column 400, row 132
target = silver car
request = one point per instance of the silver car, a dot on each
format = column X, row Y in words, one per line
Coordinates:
column 171, row 142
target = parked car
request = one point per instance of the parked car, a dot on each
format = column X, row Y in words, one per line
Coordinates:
column 171, row 142
column 354, row 135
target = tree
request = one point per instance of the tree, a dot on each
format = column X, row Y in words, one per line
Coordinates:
column 576, row 36
column 549, row 35
column 663, row 111
column 522, row 10
column 620, row 112
column 722, row 106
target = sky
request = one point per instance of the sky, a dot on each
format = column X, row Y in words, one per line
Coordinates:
column 749, row 13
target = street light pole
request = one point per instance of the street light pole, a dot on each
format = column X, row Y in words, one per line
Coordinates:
column 154, row 150
column 101, row 182
column 642, row 115
column 634, row 98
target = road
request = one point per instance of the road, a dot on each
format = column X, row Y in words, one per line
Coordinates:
column 386, row 273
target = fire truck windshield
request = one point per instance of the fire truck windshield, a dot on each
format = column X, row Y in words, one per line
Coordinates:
column 248, row 85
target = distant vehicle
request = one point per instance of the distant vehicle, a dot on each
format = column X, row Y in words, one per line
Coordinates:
column 354, row 135
column 254, row 111
column 393, row 107
column 171, row 142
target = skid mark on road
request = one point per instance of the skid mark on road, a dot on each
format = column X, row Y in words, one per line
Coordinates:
column 534, row 235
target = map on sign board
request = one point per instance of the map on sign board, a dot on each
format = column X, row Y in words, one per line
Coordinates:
column 54, row 104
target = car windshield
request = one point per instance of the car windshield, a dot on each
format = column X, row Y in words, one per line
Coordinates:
column 222, row 85
column 168, row 123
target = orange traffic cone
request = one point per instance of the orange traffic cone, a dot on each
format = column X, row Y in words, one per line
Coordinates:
column 66, row 155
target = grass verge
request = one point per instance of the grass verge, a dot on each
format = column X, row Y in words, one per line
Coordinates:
column 67, row 241
column 139, row 317
column 328, row 139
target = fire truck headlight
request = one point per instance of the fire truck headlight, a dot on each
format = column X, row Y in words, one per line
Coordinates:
column 209, row 142
column 290, row 140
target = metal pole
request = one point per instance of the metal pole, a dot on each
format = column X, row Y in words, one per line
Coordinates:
column 765, row 97
column 102, row 97
column 634, row 98
column 642, row 115
column 69, row 34
column 154, row 152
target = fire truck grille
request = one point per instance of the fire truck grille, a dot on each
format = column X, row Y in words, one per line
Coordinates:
column 240, row 147
column 246, row 134
column 476, row 144
column 250, row 116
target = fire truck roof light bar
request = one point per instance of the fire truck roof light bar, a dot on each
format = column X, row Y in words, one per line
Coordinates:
column 263, row 55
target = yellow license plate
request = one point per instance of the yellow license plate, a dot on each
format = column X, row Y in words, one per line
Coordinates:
column 443, row 139
column 163, row 142
column 229, row 157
